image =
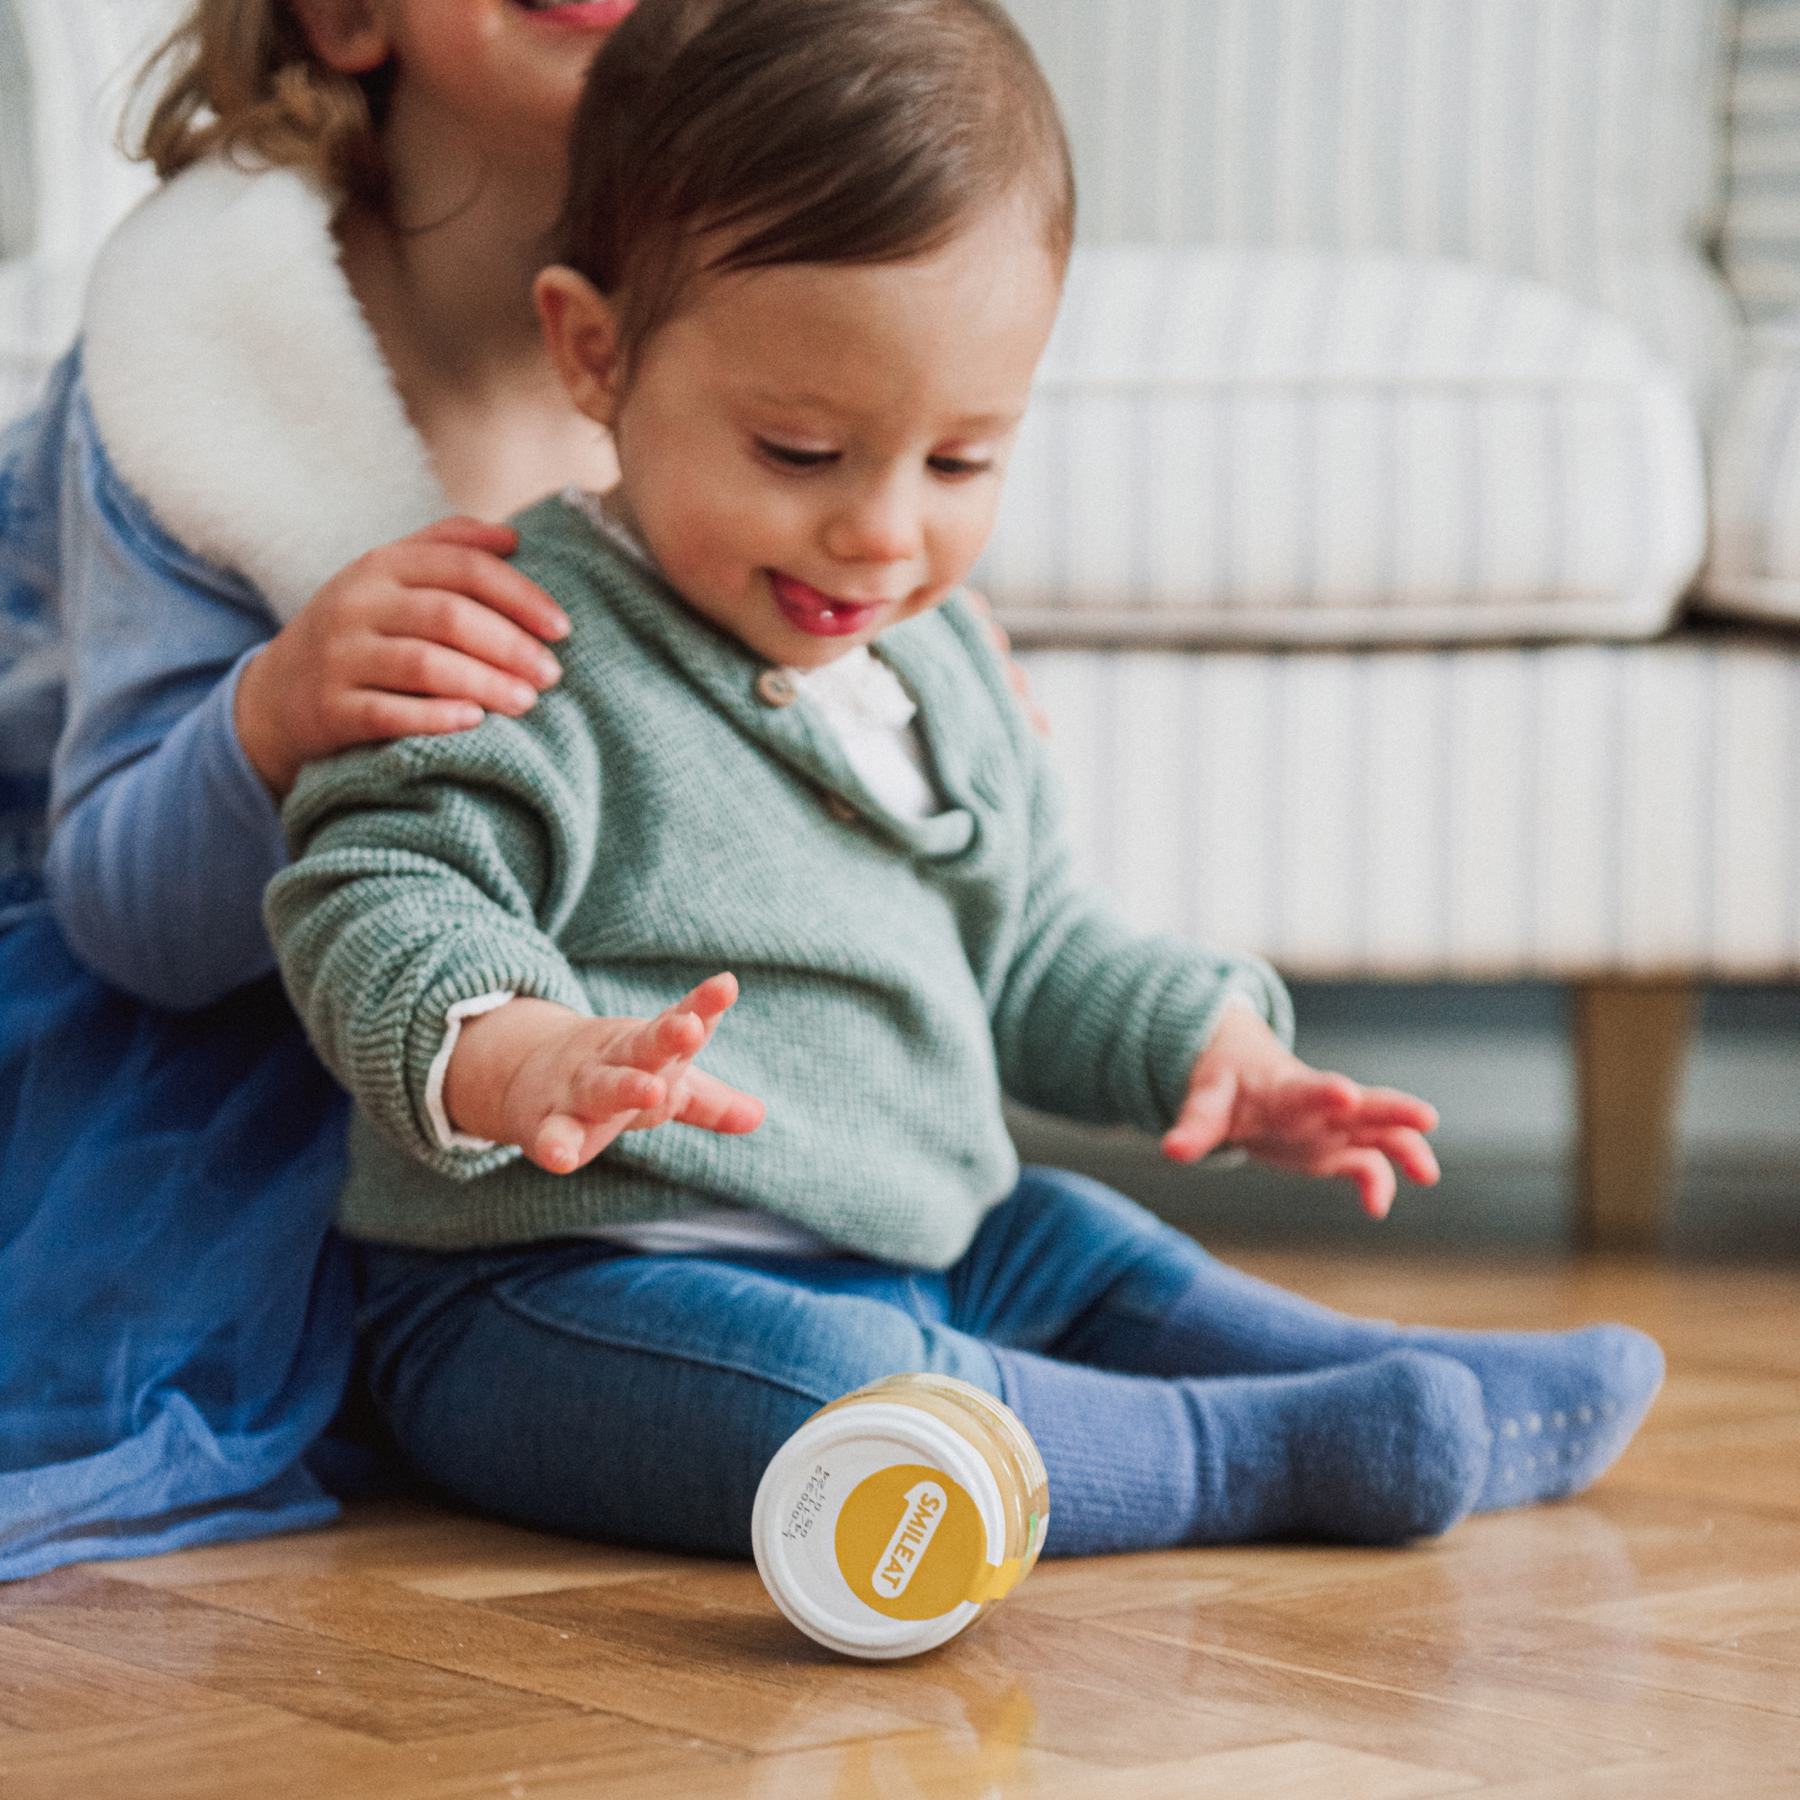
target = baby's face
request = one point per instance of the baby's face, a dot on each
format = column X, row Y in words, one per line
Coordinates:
column 815, row 453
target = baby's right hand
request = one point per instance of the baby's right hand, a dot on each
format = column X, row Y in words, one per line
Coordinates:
column 420, row 637
column 562, row 1086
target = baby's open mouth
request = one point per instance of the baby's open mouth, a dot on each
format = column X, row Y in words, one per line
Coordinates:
column 819, row 614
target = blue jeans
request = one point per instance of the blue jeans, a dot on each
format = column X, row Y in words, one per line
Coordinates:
column 585, row 1388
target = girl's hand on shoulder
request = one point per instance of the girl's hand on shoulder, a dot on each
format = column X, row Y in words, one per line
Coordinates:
column 423, row 636
column 1246, row 1090
column 562, row 1087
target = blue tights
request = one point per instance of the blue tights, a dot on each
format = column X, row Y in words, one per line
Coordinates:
column 1176, row 1401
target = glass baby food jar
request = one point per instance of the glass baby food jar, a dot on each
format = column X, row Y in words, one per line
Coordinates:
column 894, row 1517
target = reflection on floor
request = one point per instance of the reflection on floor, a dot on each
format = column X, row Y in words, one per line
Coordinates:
column 1640, row 1643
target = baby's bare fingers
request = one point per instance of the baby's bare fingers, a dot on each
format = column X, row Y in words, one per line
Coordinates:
column 1306, row 1106
column 710, row 1001
column 1406, row 1150
column 659, row 1046
column 682, row 1031
column 603, row 1090
column 1204, row 1119
column 1372, row 1173
column 1388, row 1106
column 708, row 1103
column 559, row 1144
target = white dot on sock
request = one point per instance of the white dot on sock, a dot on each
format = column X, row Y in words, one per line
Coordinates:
column 1585, row 1414
column 1533, row 1424
column 1607, row 1410
column 1512, row 1473
column 1559, row 1420
column 1509, row 1428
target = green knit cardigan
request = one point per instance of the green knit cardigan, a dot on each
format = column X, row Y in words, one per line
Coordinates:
column 661, row 815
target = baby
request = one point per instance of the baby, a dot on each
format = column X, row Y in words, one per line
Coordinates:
column 812, row 252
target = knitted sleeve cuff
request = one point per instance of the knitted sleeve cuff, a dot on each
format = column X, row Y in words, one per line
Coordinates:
column 414, row 1100
column 448, row 1137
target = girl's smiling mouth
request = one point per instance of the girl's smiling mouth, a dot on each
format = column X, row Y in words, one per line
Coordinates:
column 817, row 614
column 578, row 15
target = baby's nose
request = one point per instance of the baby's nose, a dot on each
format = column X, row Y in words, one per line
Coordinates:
column 880, row 527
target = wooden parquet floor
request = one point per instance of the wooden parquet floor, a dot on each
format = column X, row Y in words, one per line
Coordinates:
column 1640, row 1643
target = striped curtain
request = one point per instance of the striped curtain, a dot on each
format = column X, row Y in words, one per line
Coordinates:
column 17, row 201
column 1759, row 244
column 1754, row 568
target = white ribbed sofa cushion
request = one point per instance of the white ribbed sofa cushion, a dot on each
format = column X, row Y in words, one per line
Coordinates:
column 1575, row 141
column 1264, row 446
column 1753, row 568
column 1560, row 811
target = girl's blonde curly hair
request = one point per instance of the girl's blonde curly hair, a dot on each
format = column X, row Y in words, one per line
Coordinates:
column 238, row 77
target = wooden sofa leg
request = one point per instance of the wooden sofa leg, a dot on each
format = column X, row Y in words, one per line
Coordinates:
column 1631, row 1041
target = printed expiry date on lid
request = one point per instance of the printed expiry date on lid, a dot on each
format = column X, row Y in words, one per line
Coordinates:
column 810, row 1503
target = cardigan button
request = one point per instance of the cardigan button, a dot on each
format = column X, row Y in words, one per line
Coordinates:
column 840, row 809
column 775, row 687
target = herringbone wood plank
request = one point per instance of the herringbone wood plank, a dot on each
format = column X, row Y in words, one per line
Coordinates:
column 1639, row 1643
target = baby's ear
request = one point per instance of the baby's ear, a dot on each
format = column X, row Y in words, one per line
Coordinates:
column 581, row 329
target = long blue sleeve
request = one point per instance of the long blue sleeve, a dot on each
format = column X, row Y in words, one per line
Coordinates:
column 162, row 836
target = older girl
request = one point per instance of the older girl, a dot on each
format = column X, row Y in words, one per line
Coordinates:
column 308, row 369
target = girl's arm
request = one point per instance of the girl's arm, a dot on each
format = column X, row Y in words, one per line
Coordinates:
column 162, row 837
column 165, row 825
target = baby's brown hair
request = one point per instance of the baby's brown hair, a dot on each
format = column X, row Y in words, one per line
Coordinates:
column 774, row 132
column 240, row 77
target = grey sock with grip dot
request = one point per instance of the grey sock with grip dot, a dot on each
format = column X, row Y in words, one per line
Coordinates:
column 1562, row 1405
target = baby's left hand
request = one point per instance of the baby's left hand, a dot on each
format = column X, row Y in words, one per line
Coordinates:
column 1247, row 1090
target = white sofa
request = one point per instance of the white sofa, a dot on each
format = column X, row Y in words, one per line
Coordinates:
column 1408, row 527
column 1406, row 543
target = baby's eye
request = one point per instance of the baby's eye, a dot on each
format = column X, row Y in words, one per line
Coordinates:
column 958, row 468
column 791, row 456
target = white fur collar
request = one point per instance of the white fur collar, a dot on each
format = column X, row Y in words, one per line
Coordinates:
column 239, row 390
